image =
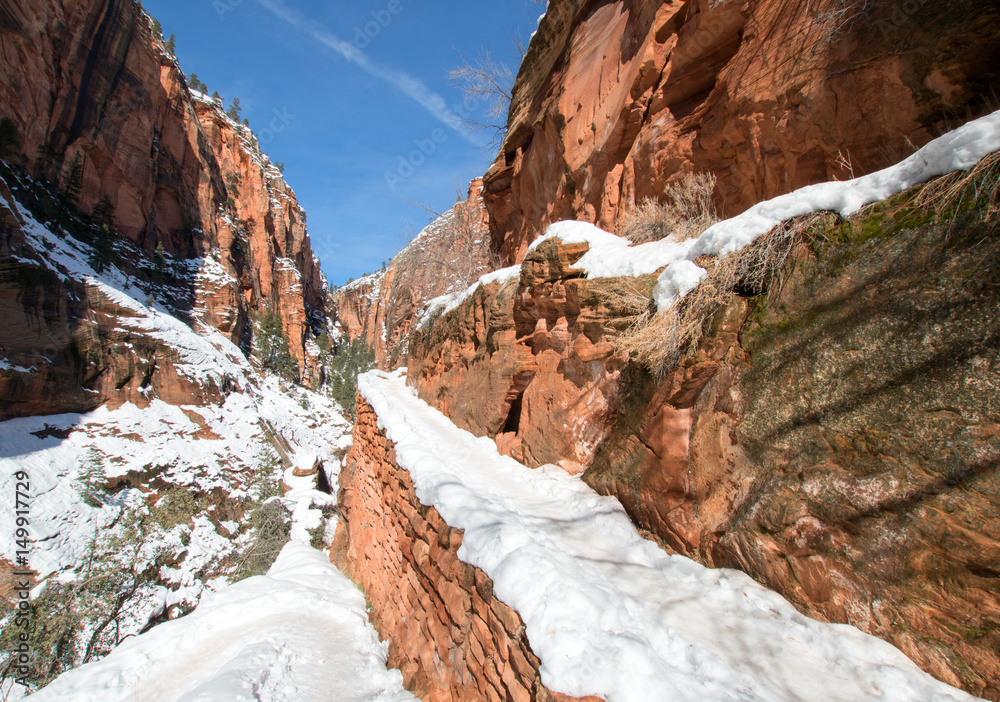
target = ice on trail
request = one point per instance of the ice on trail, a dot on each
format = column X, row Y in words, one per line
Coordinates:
column 608, row 612
column 298, row 633
column 611, row 256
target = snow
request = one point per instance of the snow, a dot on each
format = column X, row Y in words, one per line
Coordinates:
column 299, row 633
column 612, row 256
column 443, row 304
column 608, row 612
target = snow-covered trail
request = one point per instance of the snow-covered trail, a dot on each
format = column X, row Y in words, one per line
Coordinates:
column 609, row 613
column 299, row 633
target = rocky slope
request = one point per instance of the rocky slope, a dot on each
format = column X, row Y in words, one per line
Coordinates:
column 444, row 258
column 87, row 83
column 614, row 99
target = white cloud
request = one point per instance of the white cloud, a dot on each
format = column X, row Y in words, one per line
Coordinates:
column 410, row 86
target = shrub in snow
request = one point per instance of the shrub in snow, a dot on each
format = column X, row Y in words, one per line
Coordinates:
column 685, row 213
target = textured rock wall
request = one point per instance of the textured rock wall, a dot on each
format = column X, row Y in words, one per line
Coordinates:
column 448, row 634
column 87, row 80
column 615, row 98
column 838, row 441
column 446, row 256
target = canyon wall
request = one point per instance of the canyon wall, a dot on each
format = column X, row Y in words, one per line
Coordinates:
column 446, row 257
column 87, row 83
column 447, row 633
column 836, row 438
column 615, row 99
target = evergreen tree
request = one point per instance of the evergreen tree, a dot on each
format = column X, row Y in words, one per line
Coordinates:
column 235, row 111
column 216, row 96
column 246, row 123
column 103, row 251
column 171, row 45
column 10, row 138
column 159, row 264
column 73, row 182
column 272, row 347
column 343, row 367
column 157, row 29
column 197, row 84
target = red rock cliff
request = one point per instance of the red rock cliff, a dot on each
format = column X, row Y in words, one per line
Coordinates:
column 88, row 80
column 614, row 98
column 445, row 257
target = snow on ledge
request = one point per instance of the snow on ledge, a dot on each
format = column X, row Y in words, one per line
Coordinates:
column 612, row 256
column 609, row 613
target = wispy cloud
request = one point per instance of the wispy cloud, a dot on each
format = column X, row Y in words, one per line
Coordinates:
column 402, row 81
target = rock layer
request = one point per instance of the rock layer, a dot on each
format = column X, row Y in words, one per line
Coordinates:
column 836, row 440
column 615, row 99
column 88, row 83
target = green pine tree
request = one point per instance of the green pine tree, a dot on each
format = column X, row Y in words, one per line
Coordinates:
column 73, row 181
column 171, row 45
column 197, row 84
column 102, row 253
column 235, row 111
column 159, row 264
column 272, row 347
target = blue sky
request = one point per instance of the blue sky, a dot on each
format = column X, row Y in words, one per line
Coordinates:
column 362, row 86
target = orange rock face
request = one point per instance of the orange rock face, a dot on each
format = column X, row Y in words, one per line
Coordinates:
column 837, row 442
column 451, row 638
column 88, row 82
column 613, row 101
column 447, row 256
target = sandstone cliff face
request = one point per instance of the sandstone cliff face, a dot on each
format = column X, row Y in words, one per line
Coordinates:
column 615, row 98
column 837, row 441
column 86, row 81
column 445, row 257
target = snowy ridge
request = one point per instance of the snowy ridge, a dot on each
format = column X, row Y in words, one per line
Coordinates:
column 612, row 256
column 609, row 613
column 443, row 304
column 298, row 633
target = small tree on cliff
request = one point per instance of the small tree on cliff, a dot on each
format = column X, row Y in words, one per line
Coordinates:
column 489, row 82
column 197, row 84
column 271, row 345
column 73, row 180
column 103, row 252
column 235, row 112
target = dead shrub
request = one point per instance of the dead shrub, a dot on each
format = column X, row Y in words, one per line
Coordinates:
column 660, row 340
column 685, row 213
column 976, row 188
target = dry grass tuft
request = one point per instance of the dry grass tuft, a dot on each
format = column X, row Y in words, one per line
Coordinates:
column 662, row 339
column 979, row 188
column 685, row 214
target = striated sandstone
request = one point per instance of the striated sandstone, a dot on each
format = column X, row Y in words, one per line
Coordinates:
column 88, row 81
column 445, row 257
column 614, row 99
